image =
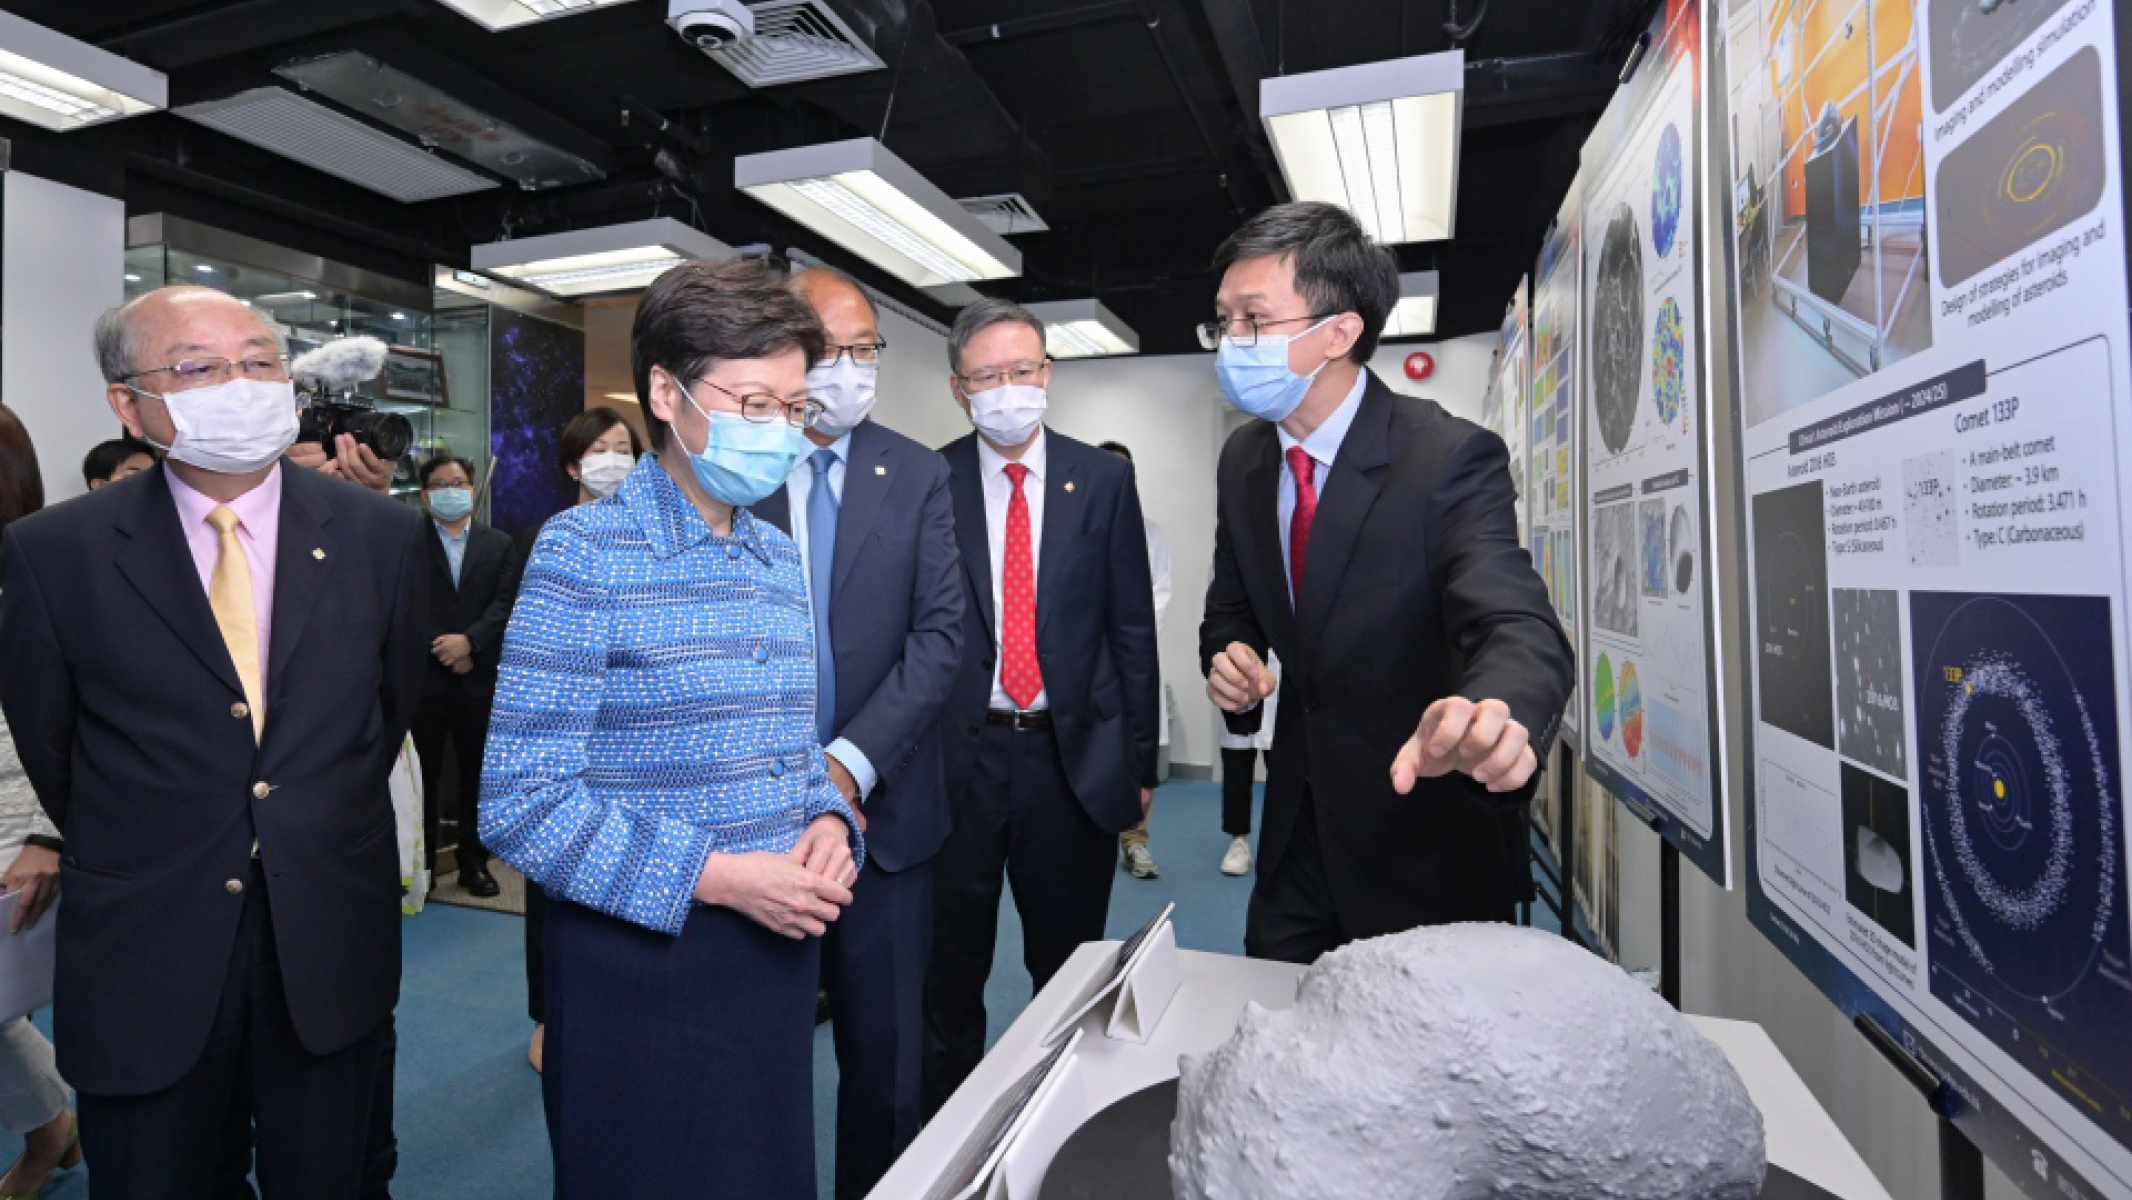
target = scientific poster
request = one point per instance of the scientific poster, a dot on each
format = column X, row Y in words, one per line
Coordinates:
column 1650, row 663
column 1929, row 276
column 1551, row 444
column 1512, row 368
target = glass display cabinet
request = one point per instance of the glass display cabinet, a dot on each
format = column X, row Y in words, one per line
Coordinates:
column 435, row 371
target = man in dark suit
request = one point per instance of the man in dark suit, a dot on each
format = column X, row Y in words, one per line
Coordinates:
column 869, row 509
column 1369, row 540
column 473, row 581
column 1051, row 728
column 208, row 670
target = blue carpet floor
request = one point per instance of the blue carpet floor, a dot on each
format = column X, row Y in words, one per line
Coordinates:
column 469, row 1115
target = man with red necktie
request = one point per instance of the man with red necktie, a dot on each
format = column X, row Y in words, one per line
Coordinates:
column 1369, row 540
column 1050, row 732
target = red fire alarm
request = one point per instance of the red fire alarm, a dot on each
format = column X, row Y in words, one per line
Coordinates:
column 1420, row 365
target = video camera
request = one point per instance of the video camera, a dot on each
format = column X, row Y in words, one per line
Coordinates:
column 326, row 379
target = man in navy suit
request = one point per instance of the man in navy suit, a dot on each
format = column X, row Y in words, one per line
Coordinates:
column 869, row 509
column 208, row 670
column 1051, row 728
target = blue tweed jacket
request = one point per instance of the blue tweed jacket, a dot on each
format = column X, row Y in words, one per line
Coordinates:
column 655, row 706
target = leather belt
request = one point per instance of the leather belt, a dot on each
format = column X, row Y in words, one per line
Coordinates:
column 1038, row 720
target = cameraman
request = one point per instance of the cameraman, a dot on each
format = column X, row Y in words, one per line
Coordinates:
column 473, row 580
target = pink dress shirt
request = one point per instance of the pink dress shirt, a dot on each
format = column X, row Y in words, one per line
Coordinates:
column 258, row 531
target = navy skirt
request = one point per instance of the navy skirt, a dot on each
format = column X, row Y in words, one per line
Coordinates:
column 679, row 1066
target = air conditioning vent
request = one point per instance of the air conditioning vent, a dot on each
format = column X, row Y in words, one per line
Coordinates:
column 1008, row 213
column 301, row 130
column 796, row 40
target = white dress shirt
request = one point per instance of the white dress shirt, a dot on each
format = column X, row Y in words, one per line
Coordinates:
column 1323, row 445
column 799, row 486
column 999, row 491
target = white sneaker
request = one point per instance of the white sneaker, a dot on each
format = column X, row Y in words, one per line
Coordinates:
column 1140, row 863
column 1238, row 860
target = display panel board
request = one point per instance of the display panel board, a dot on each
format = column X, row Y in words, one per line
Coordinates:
column 1512, row 369
column 1929, row 284
column 1551, row 441
column 1652, row 690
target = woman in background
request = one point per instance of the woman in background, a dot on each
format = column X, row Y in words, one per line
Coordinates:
column 33, row 1098
column 598, row 450
column 653, row 765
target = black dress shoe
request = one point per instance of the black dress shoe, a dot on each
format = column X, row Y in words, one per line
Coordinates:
column 478, row 882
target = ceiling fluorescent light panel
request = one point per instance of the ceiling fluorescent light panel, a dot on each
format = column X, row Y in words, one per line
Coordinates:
column 305, row 131
column 54, row 81
column 1379, row 139
column 865, row 199
column 609, row 258
column 1415, row 313
column 1084, row 329
column 497, row 15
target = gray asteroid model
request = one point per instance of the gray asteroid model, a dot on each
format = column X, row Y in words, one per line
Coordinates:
column 1465, row 1062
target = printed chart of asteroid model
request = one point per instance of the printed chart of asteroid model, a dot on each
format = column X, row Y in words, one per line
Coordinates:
column 1937, row 557
column 1651, row 693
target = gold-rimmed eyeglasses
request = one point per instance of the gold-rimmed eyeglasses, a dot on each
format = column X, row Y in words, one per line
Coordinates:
column 210, row 372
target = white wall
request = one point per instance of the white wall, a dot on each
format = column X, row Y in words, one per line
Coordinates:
column 1463, row 366
column 62, row 263
column 1166, row 410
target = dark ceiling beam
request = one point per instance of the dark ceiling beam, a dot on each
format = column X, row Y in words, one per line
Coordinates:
column 1073, row 18
column 1243, row 59
column 1244, row 198
column 205, row 35
column 1131, row 172
column 1504, row 91
column 1147, row 14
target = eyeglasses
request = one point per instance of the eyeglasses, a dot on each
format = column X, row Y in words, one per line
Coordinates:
column 763, row 408
column 861, row 352
column 461, row 485
column 210, row 372
column 1020, row 375
column 1243, row 330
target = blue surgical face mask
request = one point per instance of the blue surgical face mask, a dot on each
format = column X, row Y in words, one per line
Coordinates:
column 451, row 504
column 743, row 461
column 1256, row 378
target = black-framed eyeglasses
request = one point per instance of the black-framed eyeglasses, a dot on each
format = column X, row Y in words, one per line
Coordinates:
column 763, row 408
column 1244, row 330
column 863, row 353
column 211, row 372
column 1019, row 374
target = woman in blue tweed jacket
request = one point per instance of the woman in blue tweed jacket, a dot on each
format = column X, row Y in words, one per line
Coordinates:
column 652, row 765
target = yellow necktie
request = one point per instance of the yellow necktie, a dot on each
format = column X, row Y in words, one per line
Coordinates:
column 229, row 593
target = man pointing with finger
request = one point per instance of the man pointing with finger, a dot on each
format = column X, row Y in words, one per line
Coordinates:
column 1369, row 539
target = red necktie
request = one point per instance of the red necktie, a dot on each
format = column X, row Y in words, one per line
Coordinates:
column 1303, row 467
column 1018, row 671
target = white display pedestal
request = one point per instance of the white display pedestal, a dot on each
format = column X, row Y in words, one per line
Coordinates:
column 1210, row 993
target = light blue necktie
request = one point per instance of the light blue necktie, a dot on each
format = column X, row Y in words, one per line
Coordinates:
column 821, row 564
